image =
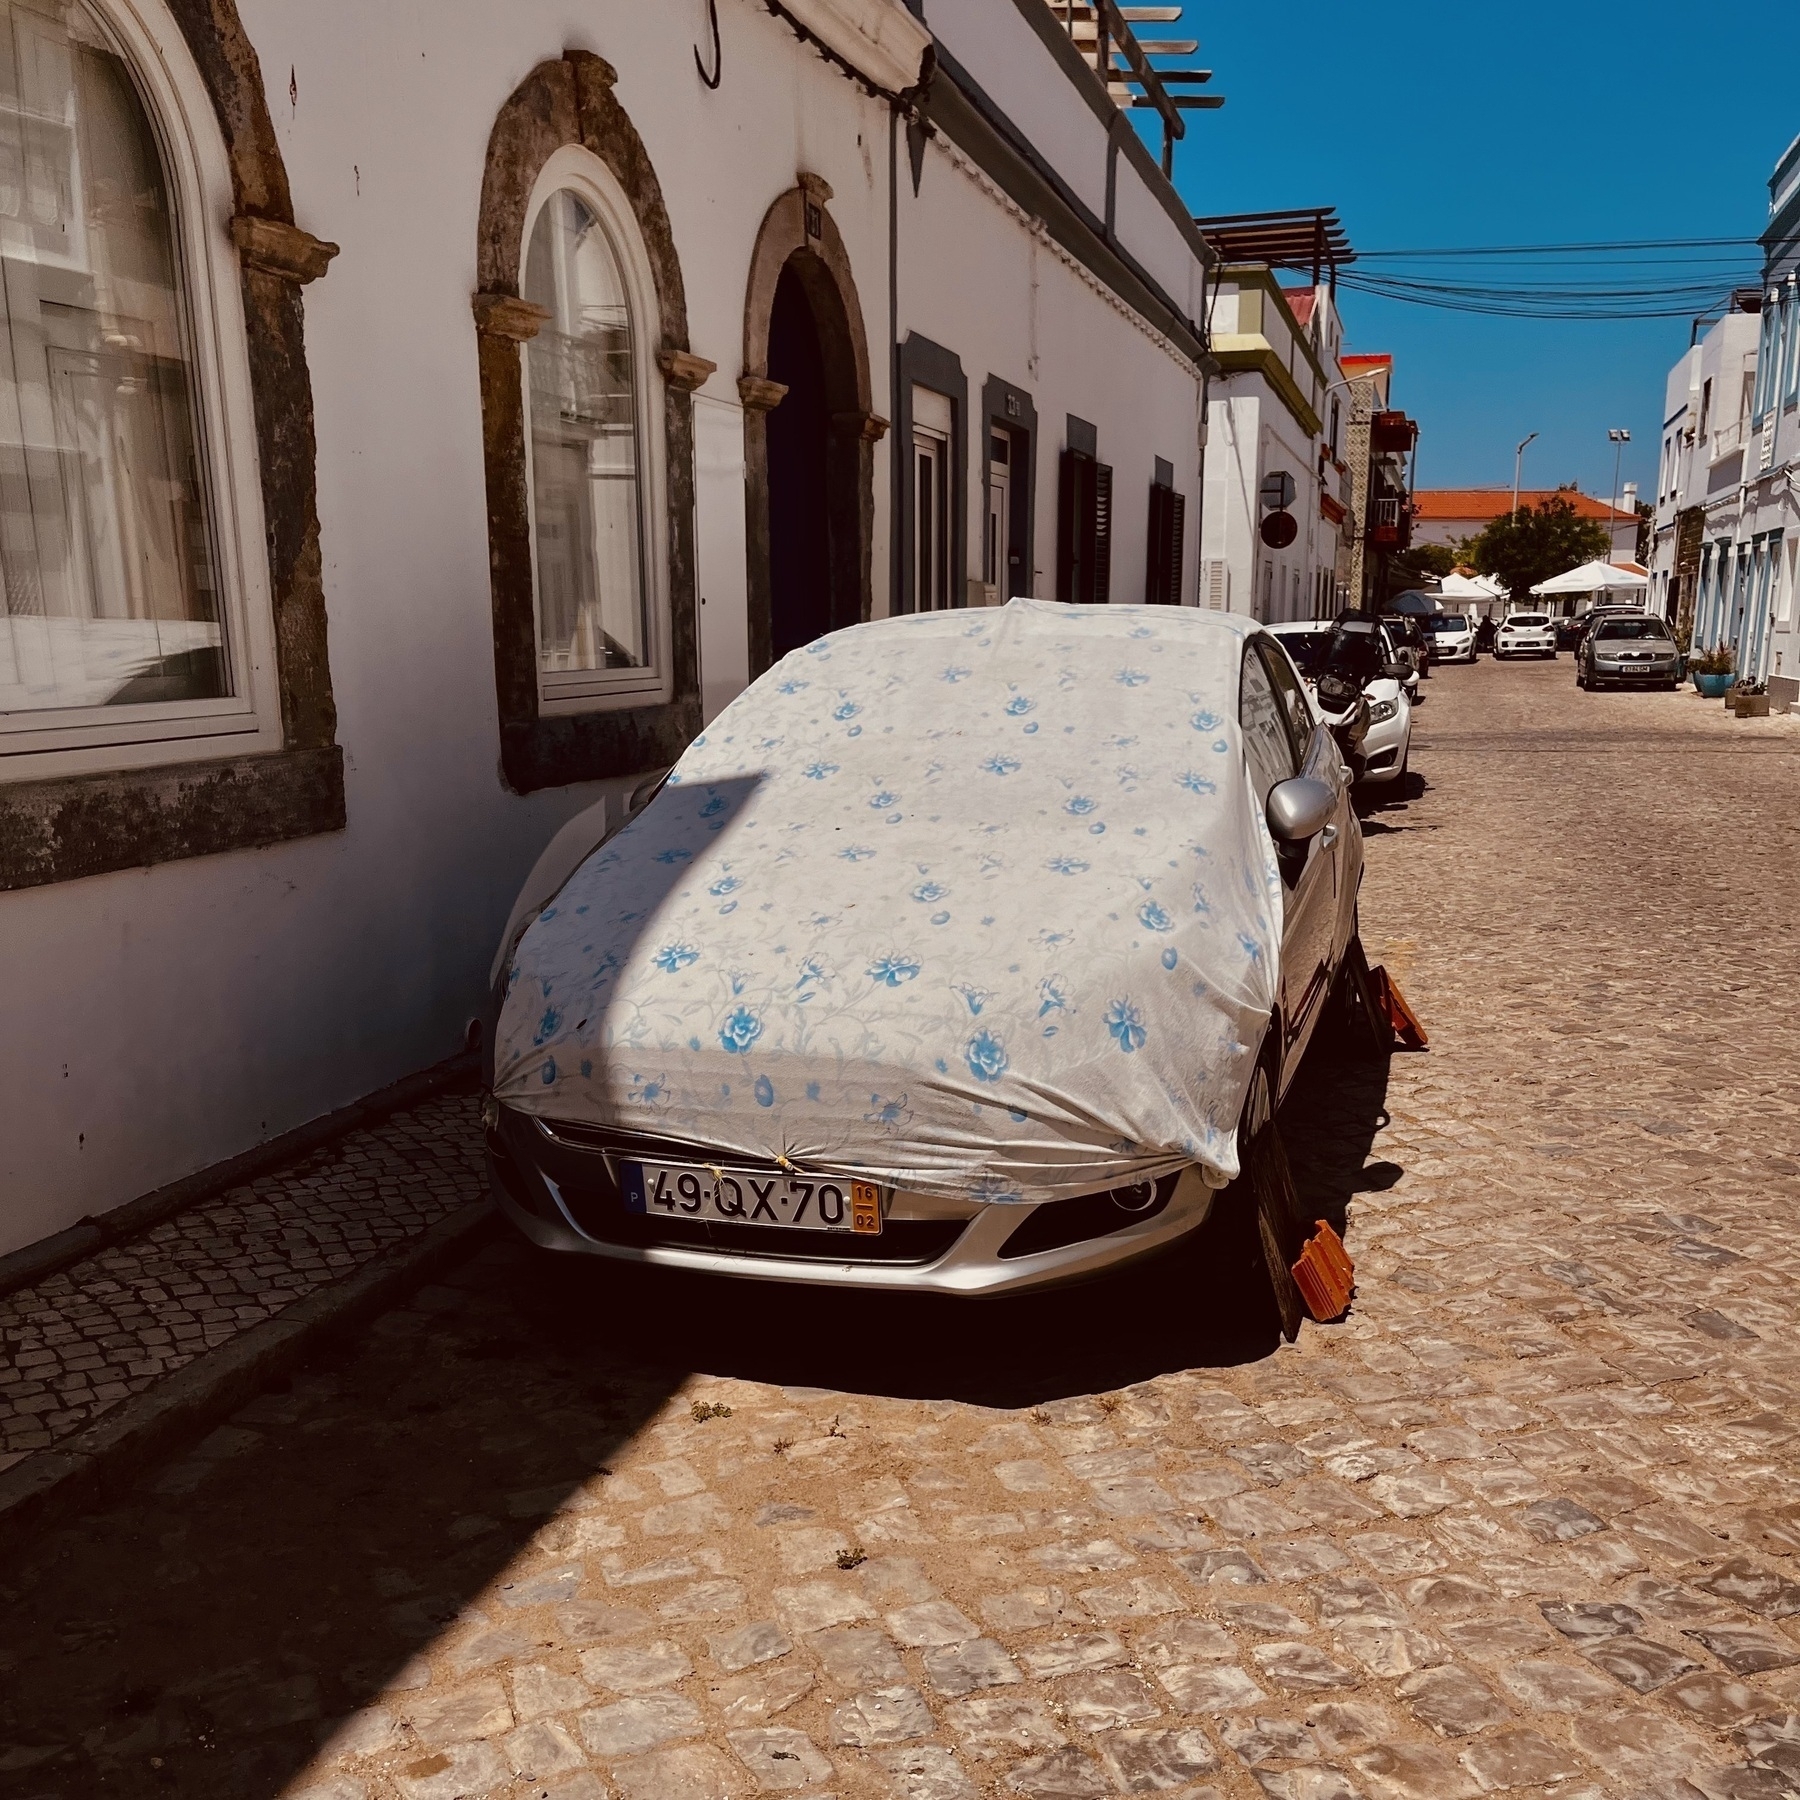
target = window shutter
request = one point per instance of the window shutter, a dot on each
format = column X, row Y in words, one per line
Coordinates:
column 1162, row 560
column 1102, row 538
column 1067, row 485
column 1156, row 547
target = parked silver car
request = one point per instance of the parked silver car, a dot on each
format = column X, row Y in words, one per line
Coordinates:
column 1628, row 650
column 964, row 952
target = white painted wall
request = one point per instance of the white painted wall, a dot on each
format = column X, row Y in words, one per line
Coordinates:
column 158, row 1021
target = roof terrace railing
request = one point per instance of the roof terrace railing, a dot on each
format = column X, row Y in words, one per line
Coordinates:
column 1102, row 31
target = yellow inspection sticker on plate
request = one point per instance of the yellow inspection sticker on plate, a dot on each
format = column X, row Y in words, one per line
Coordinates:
column 865, row 1208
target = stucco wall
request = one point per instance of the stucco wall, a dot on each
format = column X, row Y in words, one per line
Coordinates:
column 160, row 1020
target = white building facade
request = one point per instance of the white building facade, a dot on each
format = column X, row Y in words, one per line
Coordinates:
column 1727, row 536
column 1278, row 407
column 419, row 422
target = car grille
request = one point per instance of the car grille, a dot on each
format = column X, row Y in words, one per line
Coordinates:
column 1059, row 1223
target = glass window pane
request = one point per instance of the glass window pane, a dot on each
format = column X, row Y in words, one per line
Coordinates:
column 1291, row 699
column 105, row 549
column 1266, row 746
column 592, row 606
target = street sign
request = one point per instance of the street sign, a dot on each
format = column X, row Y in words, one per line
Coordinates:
column 1277, row 490
column 1279, row 529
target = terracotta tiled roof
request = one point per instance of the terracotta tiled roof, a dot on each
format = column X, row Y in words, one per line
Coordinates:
column 1301, row 301
column 1490, row 503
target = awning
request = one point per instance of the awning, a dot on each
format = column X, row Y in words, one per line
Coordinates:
column 1592, row 578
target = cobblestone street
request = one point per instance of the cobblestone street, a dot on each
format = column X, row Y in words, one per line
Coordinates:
column 1528, row 1521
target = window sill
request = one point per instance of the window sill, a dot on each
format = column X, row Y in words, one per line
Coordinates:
column 566, row 748
column 64, row 829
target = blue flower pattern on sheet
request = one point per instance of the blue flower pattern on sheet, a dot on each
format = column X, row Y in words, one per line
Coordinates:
column 986, row 1056
column 890, row 971
column 739, row 967
column 1126, row 1024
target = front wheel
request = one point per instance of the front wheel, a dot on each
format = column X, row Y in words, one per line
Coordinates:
column 1267, row 1185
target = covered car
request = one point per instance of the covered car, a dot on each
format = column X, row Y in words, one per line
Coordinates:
column 950, row 955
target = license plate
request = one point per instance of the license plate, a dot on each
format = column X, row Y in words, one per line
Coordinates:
column 745, row 1197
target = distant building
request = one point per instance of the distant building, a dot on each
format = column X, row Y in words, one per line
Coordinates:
column 1448, row 515
column 1726, row 559
column 1272, row 413
column 1378, row 448
column 1700, row 472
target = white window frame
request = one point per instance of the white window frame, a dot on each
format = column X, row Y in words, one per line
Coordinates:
column 565, row 692
column 197, row 170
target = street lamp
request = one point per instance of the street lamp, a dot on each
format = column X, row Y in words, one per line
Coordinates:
column 1618, row 437
column 1518, row 458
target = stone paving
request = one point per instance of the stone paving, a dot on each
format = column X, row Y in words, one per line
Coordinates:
column 76, row 1343
column 1528, row 1522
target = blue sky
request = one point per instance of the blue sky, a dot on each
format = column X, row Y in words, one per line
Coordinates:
column 1433, row 125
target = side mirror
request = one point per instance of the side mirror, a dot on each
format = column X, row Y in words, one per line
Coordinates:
column 1299, row 809
column 1397, row 671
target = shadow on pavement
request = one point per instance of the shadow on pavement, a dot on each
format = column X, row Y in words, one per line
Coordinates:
column 202, row 1637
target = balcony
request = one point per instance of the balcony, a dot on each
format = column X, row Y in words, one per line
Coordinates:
column 1392, row 431
column 1727, row 440
column 1390, row 524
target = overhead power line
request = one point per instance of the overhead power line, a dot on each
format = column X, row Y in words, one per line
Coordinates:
column 1635, row 278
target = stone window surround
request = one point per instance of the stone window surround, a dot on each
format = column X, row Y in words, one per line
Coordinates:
column 56, row 829
column 570, row 101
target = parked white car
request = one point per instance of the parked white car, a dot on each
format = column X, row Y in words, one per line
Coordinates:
column 1452, row 636
column 1526, row 634
column 1348, row 663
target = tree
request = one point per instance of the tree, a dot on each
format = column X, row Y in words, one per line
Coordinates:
column 1528, row 546
column 1425, row 562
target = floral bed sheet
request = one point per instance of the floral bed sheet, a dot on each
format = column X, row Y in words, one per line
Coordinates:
column 970, row 903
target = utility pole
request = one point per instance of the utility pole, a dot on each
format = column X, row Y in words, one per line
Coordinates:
column 1518, row 459
column 1618, row 437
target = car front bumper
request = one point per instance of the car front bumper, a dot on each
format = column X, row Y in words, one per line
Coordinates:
column 564, row 1198
column 1384, row 747
column 1645, row 674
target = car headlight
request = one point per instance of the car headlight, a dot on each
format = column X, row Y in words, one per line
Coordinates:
column 1382, row 709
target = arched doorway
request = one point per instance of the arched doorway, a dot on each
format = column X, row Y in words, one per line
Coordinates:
column 801, row 597
column 809, row 435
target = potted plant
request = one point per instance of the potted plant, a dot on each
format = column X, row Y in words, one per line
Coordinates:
column 1712, row 670
column 1750, row 700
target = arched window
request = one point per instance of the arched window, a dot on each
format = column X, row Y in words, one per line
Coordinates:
column 126, row 627
column 595, row 422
